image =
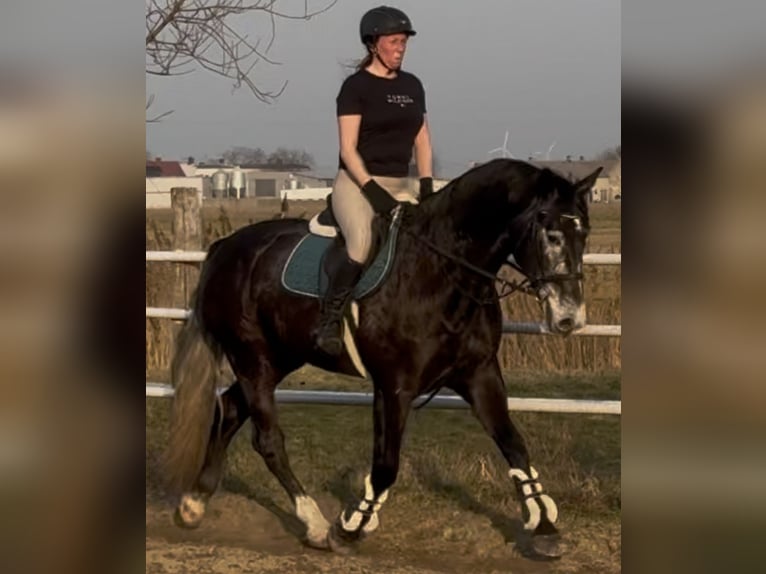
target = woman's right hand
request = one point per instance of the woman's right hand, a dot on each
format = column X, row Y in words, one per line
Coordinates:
column 381, row 201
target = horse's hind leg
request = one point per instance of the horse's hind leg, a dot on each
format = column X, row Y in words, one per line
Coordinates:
column 269, row 441
column 230, row 413
column 485, row 392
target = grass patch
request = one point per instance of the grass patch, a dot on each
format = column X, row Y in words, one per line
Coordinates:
column 445, row 451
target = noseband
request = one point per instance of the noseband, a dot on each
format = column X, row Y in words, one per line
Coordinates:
column 537, row 284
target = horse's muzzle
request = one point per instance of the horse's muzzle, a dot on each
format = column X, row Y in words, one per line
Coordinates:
column 563, row 317
column 565, row 326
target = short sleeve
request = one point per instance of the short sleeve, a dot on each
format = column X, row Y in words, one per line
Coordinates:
column 349, row 100
column 420, row 95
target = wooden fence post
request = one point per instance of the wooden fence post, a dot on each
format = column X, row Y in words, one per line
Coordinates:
column 187, row 236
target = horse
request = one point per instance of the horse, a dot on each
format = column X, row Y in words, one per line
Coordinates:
column 435, row 322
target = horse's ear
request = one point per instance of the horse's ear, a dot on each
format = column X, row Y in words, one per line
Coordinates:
column 584, row 185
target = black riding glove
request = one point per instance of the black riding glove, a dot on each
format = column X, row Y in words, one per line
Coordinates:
column 380, row 200
column 426, row 187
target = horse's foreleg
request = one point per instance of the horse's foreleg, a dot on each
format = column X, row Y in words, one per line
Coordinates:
column 230, row 413
column 269, row 441
column 361, row 518
column 485, row 392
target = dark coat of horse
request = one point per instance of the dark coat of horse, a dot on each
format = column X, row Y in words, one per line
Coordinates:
column 434, row 323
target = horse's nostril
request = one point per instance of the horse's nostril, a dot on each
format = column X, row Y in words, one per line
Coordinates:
column 565, row 325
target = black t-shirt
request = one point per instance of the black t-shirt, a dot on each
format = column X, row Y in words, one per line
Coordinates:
column 392, row 115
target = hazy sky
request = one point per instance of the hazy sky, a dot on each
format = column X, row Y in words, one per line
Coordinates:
column 545, row 70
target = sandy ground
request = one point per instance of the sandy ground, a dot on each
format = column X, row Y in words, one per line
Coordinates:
column 240, row 535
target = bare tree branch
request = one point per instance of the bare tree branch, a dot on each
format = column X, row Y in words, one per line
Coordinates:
column 158, row 117
column 182, row 35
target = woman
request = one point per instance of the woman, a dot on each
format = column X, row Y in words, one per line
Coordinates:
column 381, row 117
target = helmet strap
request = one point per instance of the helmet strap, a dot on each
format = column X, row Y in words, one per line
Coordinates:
column 382, row 63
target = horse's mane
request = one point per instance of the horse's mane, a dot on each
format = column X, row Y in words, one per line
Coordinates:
column 484, row 178
column 493, row 197
column 496, row 180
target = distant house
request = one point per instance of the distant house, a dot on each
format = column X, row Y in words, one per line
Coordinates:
column 256, row 180
column 189, row 167
column 608, row 186
column 209, row 169
column 161, row 177
column 162, row 168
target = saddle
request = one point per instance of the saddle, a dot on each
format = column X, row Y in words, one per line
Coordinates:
column 307, row 268
column 324, row 223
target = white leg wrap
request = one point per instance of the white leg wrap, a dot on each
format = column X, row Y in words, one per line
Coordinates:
column 352, row 524
column 317, row 526
column 536, row 502
column 191, row 508
column 372, row 525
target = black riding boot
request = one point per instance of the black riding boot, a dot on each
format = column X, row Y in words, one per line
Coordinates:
column 342, row 283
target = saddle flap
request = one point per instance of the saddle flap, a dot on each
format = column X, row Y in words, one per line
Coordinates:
column 324, row 223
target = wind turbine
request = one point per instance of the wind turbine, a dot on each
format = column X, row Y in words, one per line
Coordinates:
column 504, row 149
column 548, row 155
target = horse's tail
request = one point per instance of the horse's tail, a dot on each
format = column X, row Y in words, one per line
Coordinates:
column 194, row 372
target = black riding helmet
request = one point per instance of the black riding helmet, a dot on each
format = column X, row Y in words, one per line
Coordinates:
column 382, row 21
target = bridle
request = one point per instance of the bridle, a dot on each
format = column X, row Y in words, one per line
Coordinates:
column 535, row 285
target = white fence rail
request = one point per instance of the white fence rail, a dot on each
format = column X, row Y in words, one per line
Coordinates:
column 195, row 256
column 439, row 401
column 177, row 256
column 508, row 326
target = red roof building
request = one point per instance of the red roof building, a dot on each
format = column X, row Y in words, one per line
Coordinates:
column 160, row 168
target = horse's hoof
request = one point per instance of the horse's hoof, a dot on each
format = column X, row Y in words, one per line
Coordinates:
column 318, row 542
column 339, row 543
column 190, row 512
column 546, row 547
column 179, row 521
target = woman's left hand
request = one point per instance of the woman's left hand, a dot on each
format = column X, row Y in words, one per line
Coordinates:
column 426, row 187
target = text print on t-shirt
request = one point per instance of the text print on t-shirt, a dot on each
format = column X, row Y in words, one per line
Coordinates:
column 402, row 100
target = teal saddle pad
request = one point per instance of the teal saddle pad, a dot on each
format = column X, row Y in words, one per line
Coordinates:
column 304, row 273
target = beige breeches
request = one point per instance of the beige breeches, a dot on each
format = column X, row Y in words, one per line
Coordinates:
column 354, row 213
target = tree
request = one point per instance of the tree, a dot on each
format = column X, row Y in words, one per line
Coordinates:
column 240, row 155
column 611, row 153
column 182, row 35
column 284, row 156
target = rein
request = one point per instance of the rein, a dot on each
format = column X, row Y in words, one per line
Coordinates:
column 508, row 287
column 533, row 286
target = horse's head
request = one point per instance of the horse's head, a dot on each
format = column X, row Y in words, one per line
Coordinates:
column 550, row 252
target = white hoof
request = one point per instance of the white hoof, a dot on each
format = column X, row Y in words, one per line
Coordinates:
column 317, row 527
column 190, row 511
column 318, row 538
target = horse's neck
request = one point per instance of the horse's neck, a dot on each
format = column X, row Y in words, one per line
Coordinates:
column 477, row 233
